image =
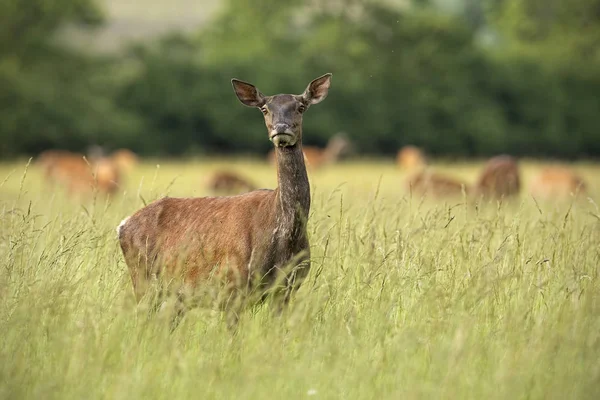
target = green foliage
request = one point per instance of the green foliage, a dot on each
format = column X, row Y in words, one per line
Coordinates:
column 52, row 96
column 551, row 28
column 548, row 110
column 397, row 79
column 28, row 25
column 414, row 75
column 63, row 101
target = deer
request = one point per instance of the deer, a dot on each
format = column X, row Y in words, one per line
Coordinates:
column 557, row 183
column 316, row 157
column 426, row 182
column 47, row 159
column 78, row 177
column 254, row 244
column 124, row 159
column 499, row 179
column 411, row 158
column 229, row 182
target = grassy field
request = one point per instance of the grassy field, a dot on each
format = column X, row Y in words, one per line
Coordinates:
column 406, row 298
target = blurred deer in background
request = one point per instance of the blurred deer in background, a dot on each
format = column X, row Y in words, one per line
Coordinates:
column 46, row 161
column 249, row 242
column 411, row 158
column 428, row 183
column 500, row 178
column 557, row 183
column 336, row 146
column 316, row 157
column 125, row 159
column 229, row 182
column 79, row 178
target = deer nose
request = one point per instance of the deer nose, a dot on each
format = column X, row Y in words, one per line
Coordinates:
column 281, row 128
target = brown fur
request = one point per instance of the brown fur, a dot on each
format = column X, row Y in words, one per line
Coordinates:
column 229, row 182
column 436, row 185
column 79, row 178
column 556, row 183
column 250, row 241
column 411, row 158
column 125, row 159
column 316, row 157
column 47, row 159
column 500, row 178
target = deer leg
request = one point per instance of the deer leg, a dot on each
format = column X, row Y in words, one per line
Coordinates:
column 146, row 286
column 232, row 320
column 178, row 312
column 293, row 280
column 140, row 284
column 232, row 307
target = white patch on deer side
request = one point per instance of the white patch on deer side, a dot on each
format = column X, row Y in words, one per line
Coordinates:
column 121, row 225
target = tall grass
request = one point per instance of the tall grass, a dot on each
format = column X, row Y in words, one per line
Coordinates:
column 406, row 298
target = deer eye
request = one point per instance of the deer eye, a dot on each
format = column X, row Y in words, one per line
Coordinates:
column 302, row 108
column 264, row 110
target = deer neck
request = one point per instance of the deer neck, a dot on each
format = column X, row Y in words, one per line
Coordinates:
column 293, row 193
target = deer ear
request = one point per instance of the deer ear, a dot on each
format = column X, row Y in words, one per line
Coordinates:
column 317, row 90
column 248, row 94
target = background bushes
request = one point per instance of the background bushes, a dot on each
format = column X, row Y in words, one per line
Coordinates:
column 480, row 79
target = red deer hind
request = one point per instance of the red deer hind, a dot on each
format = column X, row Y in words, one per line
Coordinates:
column 411, row 158
column 557, row 183
column 316, row 157
column 78, row 177
column 251, row 242
column 229, row 182
column 436, row 185
column 125, row 159
column 500, row 178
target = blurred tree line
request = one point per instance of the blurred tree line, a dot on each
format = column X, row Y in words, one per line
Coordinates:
column 490, row 76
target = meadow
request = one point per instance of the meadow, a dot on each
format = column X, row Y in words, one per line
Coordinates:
column 407, row 298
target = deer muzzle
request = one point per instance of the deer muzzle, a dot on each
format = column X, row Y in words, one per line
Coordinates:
column 282, row 135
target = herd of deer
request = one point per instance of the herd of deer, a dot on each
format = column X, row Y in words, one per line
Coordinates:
column 253, row 245
column 81, row 176
column 500, row 179
column 229, row 182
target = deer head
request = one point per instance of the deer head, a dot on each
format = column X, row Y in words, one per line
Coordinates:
column 283, row 112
